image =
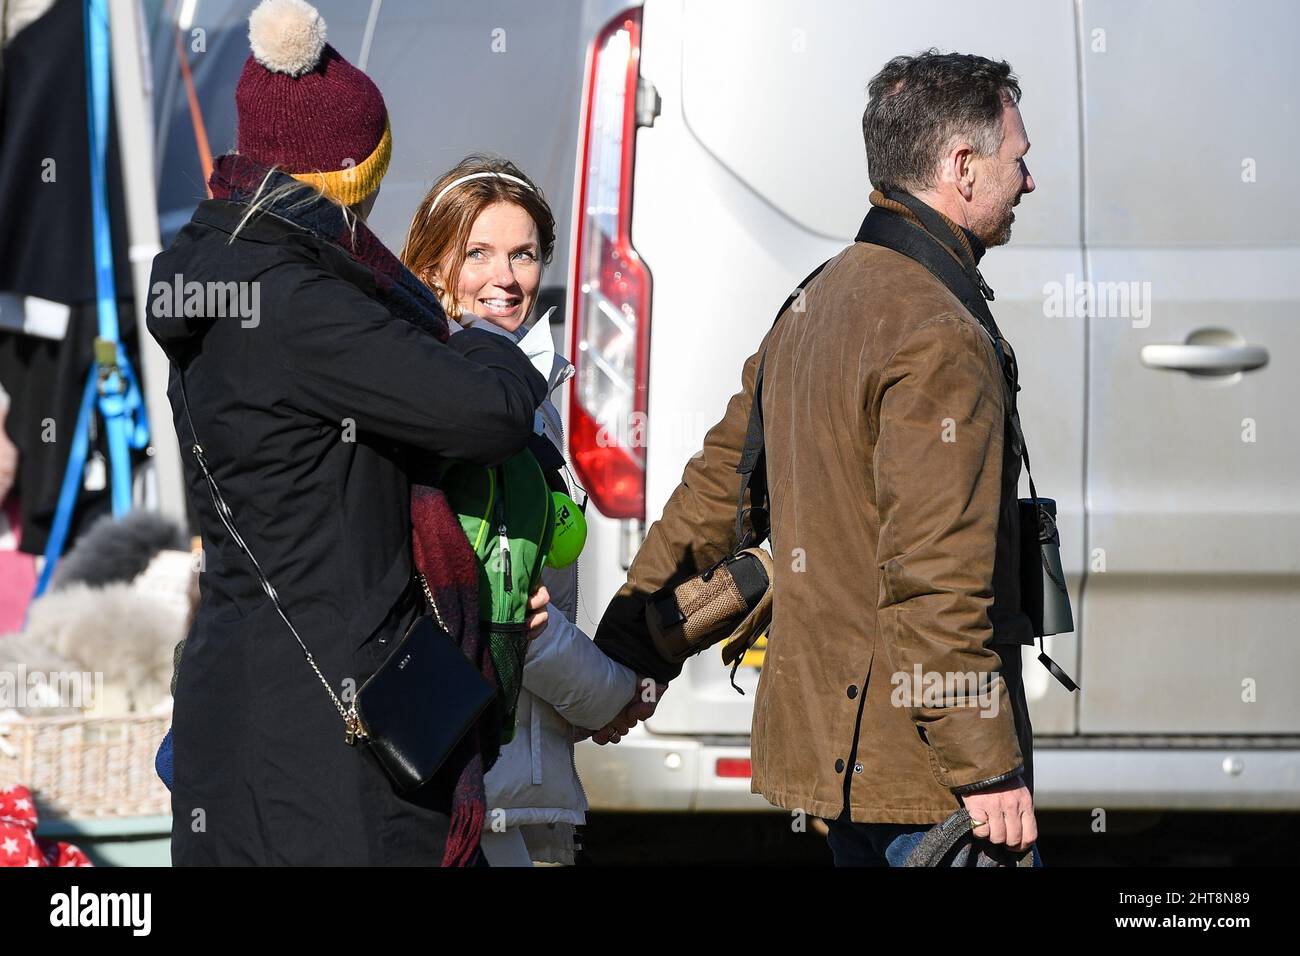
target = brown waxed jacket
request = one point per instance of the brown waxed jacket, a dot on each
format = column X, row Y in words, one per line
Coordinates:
column 892, row 675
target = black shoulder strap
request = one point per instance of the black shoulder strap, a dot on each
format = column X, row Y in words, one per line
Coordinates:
column 963, row 280
column 939, row 229
column 893, row 231
column 753, row 459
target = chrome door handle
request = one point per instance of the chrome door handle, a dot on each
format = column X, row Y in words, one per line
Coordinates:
column 1205, row 359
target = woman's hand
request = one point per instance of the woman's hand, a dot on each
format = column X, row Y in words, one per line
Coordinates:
column 641, row 707
column 536, row 619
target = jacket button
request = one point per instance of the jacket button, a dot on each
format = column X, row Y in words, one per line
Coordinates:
column 853, row 691
column 857, row 768
column 839, row 766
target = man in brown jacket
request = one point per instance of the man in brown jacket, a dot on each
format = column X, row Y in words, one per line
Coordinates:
column 891, row 692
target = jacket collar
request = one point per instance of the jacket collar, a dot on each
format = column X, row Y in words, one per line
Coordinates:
column 976, row 244
column 265, row 226
column 962, row 244
column 225, row 215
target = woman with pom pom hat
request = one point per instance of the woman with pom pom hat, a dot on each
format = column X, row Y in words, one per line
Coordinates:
column 318, row 377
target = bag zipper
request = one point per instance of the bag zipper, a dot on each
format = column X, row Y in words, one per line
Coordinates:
column 500, row 503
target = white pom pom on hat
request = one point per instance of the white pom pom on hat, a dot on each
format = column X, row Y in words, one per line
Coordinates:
column 302, row 107
column 287, row 36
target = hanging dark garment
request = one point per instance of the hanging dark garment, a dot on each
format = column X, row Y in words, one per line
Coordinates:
column 46, row 252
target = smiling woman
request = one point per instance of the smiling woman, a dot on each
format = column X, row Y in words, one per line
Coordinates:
column 480, row 240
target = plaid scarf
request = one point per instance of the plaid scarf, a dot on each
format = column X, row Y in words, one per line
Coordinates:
column 439, row 547
column 444, row 556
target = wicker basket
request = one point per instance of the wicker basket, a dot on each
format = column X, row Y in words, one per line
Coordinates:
column 87, row 766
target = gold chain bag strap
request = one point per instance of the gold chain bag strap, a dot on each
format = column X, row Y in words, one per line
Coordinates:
column 425, row 696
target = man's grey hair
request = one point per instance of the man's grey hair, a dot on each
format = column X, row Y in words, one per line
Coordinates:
column 918, row 105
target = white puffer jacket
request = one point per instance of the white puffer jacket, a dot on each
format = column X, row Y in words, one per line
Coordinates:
column 567, row 683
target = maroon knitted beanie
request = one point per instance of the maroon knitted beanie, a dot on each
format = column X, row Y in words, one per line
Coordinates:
column 303, row 107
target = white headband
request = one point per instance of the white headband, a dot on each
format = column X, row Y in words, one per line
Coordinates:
column 464, row 179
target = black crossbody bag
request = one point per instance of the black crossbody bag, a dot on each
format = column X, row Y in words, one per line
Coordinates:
column 420, row 702
column 1044, row 597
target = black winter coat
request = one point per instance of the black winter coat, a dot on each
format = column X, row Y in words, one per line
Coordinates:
column 313, row 416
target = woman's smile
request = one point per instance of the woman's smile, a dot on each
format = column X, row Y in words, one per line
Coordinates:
column 499, row 307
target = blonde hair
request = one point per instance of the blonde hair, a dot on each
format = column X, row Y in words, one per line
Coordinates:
column 263, row 198
column 435, row 243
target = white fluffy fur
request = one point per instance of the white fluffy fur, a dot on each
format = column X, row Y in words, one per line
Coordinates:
column 287, row 36
column 117, row 630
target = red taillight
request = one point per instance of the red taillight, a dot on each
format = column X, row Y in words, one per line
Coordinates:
column 611, row 285
column 733, row 767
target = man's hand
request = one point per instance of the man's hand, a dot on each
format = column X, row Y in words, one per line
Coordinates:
column 641, row 707
column 536, row 619
column 1004, row 814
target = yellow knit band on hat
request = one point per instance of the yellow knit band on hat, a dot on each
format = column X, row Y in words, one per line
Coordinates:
column 350, row 186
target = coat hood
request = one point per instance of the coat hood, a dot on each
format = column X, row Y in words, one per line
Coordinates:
column 205, row 276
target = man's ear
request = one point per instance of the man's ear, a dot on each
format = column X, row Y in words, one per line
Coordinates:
column 964, row 169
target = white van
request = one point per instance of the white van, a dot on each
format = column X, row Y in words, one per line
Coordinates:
column 702, row 156
column 1152, row 292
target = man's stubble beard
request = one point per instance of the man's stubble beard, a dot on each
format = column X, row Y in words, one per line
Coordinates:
column 1000, row 233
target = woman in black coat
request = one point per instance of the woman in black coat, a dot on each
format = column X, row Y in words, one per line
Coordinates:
column 318, row 381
